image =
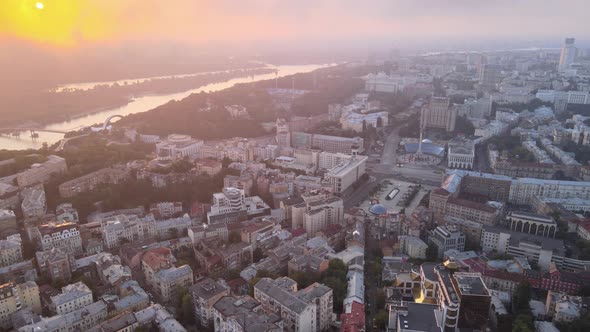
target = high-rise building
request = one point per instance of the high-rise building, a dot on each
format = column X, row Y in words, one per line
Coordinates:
column 490, row 76
column 439, row 114
column 568, row 54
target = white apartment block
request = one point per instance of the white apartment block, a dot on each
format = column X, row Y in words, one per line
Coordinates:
column 341, row 177
column 40, row 173
column 72, row 298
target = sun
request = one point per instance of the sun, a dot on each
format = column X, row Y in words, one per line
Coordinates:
column 39, row 5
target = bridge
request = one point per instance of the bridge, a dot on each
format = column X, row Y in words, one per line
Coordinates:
column 33, row 130
column 106, row 123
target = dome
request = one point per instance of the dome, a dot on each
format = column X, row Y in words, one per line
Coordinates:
column 378, row 209
column 451, row 264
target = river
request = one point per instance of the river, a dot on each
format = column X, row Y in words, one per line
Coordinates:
column 138, row 105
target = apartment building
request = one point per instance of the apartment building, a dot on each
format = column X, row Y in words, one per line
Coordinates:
column 161, row 274
column 205, row 294
column 128, row 228
column 298, row 310
column 89, row 182
column 34, row 203
column 14, row 297
column 72, row 297
column 198, row 233
column 243, row 314
column 42, row 172
column 344, row 175
column 79, row 320
column 11, row 251
column 231, row 205
column 65, row 236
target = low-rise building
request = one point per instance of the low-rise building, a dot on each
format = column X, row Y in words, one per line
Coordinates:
column 79, row 320
column 42, row 172
column 461, row 154
column 34, row 203
column 89, row 182
column 72, row 297
column 535, row 224
column 243, row 314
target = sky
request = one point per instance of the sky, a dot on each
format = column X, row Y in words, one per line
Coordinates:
column 75, row 24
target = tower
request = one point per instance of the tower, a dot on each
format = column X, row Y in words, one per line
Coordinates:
column 568, row 54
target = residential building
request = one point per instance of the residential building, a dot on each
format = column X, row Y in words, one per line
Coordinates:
column 65, row 212
column 8, row 224
column 243, row 314
column 300, row 311
column 208, row 166
column 568, row 54
column 127, row 228
column 490, row 76
column 64, row 236
column 72, row 297
column 344, row 175
column 204, row 295
column 163, row 210
column 11, row 251
column 413, row 246
column 79, row 320
column 439, row 114
column 418, row 317
column 447, row 237
column 34, row 203
column 55, row 263
column 41, row 173
column 198, row 233
column 562, row 307
column 231, row 205
column 14, row 297
column 328, row 143
column 89, row 182
column 161, row 274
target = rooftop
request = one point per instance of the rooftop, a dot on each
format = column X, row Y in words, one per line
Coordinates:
column 420, row 317
column 470, row 284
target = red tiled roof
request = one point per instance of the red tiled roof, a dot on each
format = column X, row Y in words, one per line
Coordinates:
column 297, row 232
column 157, row 258
column 355, row 320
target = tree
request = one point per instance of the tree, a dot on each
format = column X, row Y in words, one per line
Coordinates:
column 523, row 323
column 187, row 310
column 234, row 237
column 522, row 297
column 381, row 319
column 257, row 255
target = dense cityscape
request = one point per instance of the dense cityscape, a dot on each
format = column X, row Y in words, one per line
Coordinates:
column 400, row 191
